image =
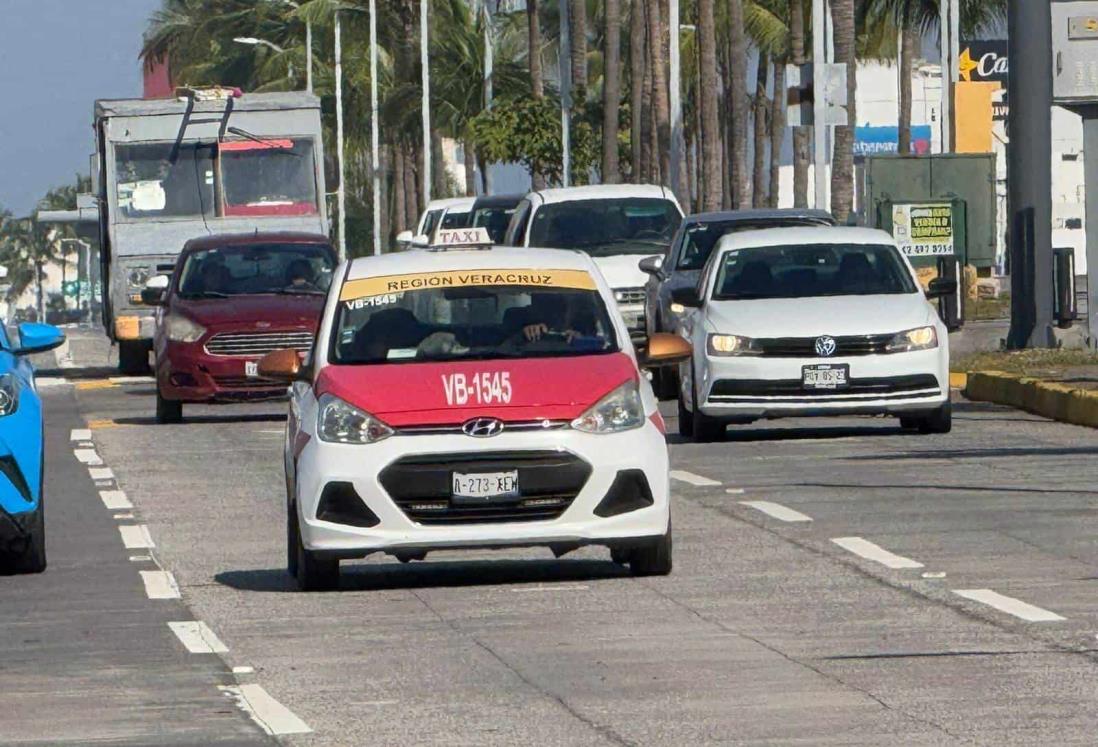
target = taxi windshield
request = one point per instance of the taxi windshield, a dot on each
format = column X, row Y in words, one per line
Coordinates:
column 471, row 323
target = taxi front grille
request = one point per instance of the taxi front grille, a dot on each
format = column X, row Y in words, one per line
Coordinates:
column 548, row 483
column 253, row 344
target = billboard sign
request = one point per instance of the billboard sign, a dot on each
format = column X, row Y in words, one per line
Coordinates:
column 987, row 61
column 872, row 141
column 924, row 229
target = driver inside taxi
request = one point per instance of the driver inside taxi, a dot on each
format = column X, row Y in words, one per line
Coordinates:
column 558, row 314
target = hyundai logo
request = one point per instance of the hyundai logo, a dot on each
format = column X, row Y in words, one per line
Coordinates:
column 825, row 346
column 482, row 427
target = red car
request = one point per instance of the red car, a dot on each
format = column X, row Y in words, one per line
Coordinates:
column 231, row 300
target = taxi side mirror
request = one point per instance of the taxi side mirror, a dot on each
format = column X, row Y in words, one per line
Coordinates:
column 666, row 350
column 687, row 297
column 281, row 365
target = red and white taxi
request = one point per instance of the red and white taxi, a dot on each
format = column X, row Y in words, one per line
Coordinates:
column 473, row 398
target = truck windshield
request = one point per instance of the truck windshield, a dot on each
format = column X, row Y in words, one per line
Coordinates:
column 164, row 180
column 605, row 227
column 269, row 177
column 804, row 271
column 250, row 269
column 471, row 323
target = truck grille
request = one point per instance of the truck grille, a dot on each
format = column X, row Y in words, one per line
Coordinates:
column 253, row 344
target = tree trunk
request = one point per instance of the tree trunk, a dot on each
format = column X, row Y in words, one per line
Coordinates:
column 842, row 163
column 802, row 136
column 578, row 35
column 907, row 60
column 384, row 161
column 400, row 212
column 760, row 170
column 709, row 197
column 636, row 89
column 661, row 101
column 411, row 187
column 537, row 83
column 777, row 134
column 647, row 153
column 611, row 93
column 470, row 168
column 737, row 87
column 726, row 129
column 440, row 183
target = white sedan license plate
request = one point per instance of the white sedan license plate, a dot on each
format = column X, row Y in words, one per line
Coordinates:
column 826, row 377
column 485, row 486
column 251, row 369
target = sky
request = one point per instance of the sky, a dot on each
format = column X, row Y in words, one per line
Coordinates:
column 56, row 58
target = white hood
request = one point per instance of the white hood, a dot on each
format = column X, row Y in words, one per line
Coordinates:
column 811, row 317
column 622, row 270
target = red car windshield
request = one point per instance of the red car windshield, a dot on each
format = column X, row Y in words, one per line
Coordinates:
column 251, row 269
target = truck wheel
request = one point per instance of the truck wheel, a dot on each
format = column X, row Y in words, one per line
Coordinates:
column 654, row 560
column 33, row 559
column 313, row 572
column 133, row 357
column 168, row 410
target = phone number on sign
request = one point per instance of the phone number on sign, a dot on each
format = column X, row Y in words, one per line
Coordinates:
column 484, row 388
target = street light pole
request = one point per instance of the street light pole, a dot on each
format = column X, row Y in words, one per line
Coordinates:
column 819, row 105
column 488, row 63
column 374, row 139
column 424, row 39
column 341, row 199
column 309, row 57
column 678, row 147
column 565, row 56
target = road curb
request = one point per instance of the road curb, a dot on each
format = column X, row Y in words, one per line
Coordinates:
column 1049, row 399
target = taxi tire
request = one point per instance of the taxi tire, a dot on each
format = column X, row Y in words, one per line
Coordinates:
column 168, row 410
column 654, row 560
column 315, row 573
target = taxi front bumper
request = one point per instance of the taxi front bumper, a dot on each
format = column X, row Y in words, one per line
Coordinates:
column 574, row 489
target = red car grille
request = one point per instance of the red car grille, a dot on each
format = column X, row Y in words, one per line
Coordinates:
column 251, row 344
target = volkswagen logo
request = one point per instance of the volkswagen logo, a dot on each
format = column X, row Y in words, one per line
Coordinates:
column 825, row 346
column 482, row 427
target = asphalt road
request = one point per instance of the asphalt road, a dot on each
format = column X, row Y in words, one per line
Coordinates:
column 836, row 582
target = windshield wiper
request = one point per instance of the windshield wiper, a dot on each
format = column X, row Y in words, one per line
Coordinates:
column 300, row 292
column 260, row 139
column 204, row 294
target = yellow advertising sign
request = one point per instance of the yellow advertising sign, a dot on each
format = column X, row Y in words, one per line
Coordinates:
column 378, row 286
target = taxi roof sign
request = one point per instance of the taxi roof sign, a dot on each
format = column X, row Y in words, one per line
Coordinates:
column 461, row 238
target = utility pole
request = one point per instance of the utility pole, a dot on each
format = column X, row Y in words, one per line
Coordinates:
column 424, row 40
column 1029, row 174
column 819, row 104
column 488, row 62
column 309, row 57
column 674, row 66
column 565, row 93
column 949, row 22
column 375, row 146
column 341, row 192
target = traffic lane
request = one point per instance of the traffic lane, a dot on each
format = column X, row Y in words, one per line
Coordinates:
column 1004, row 502
column 753, row 637
column 85, row 655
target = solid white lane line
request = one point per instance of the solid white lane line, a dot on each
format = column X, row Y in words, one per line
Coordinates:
column 88, row 456
column 101, row 473
column 866, row 549
column 1009, row 605
column 51, row 381
column 777, row 511
column 115, row 500
column 80, row 434
column 197, row 637
column 131, row 379
column 558, row 587
column 160, row 585
column 692, row 479
column 273, row 717
column 136, row 536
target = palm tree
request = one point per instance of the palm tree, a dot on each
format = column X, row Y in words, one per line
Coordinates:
column 611, row 92
column 709, row 166
column 759, row 196
column 661, row 104
column 637, row 89
column 842, row 163
column 737, row 103
column 577, row 16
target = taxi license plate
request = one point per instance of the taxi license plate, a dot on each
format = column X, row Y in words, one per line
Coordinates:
column 826, row 377
column 251, row 369
column 484, row 487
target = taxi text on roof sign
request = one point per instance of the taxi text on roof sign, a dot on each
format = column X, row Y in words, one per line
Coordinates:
column 377, row 286
column 456, row 237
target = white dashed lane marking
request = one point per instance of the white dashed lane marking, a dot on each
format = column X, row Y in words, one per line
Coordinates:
column 115, row 500
column 80, row 434
column 88, row 456
column 136, row 537
column 691, row 479
column 197, row 637
column 866, row 549
column 777, row 511
column 101, row 473
column 735, row 491
column 1009, row 605
column 160, row 585
column 273, row 717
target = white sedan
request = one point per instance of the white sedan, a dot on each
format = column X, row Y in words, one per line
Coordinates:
column 810, row 321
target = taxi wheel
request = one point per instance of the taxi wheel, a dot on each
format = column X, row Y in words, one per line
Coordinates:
column 686, row 420
column 654, row 560
column 313, row 572
column 168, row 410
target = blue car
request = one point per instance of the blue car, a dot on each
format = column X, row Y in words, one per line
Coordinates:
column 22, row 516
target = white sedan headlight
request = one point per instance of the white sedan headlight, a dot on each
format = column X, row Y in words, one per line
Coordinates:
column 730, row 345
column 341, row 422
column 620, row 410
column 182, row 329
column 921, row 338
column 9, row 394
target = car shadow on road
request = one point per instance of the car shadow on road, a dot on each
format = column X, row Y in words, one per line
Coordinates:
column 744, row 434
column 435, row 574
column 84, row 373
column 270, row 417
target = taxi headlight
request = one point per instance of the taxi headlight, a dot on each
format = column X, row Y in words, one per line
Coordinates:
column 921, row 338
column 727, row 345
column 620, row 410
column 343, row 423
column 9, row 394
column 182, row 329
